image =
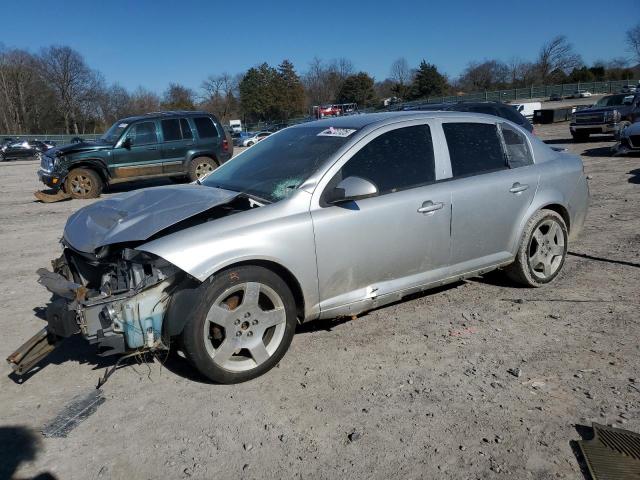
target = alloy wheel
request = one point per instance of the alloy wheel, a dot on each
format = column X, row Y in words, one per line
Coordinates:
column 81, row 184
column 203, row 169
column 244, row 326
column 546, row 249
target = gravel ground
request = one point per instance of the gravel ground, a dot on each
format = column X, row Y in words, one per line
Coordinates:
column 419, row 389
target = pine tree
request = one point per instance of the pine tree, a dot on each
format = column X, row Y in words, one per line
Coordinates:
column 427, row 82
column 289, row 92
column 358, row 89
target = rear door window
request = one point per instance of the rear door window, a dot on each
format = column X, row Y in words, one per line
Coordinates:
column 474, row 148
column 205, row 127
column 397, row 160
column 171, row 130
column 517, row 149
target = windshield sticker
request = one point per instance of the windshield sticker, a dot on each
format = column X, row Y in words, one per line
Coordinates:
column 122, row 125
column 336, row 132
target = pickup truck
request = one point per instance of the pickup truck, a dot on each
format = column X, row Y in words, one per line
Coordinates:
column 608, row 115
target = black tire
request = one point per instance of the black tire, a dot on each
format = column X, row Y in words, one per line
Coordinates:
column 250, row 144
column 521, row 270
column 580, row 136
column 83, row 183
column 200, row 166
column 194, row 338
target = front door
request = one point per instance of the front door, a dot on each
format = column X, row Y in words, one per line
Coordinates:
column 376, row 247
column 138, row 153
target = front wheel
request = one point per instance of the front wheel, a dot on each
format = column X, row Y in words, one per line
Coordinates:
column 83, row 183
column 542, row 250
column 243, row 326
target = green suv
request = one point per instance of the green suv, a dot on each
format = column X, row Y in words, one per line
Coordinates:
column 179, row 145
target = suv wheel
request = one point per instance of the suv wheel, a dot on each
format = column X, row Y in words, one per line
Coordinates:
column 542, row 250
column 83, row 183
column 243, row 325
column 201, row 166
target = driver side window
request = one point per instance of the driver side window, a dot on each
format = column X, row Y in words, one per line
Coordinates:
column 397, row 160
column 143, row 133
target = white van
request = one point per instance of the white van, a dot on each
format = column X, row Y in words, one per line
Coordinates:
column 527, row 109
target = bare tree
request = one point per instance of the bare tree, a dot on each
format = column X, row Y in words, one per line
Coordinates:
column 557, row 55
column 71, row 80
column 220, row 95
column 632, row 38
column 401, row 75
column 487, row 75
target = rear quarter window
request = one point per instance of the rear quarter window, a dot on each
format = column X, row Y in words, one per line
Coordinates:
column 205, row 127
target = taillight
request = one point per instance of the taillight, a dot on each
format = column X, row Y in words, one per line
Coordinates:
column 225, row 145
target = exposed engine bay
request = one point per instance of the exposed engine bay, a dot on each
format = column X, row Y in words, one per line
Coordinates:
column 117, row 297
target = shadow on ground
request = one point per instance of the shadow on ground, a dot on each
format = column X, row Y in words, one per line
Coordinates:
column 19, row 445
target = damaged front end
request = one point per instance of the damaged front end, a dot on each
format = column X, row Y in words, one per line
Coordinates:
column 116, row 298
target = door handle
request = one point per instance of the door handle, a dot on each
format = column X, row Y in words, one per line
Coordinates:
column 430, row 207
column 152, row 148
column 518, row 187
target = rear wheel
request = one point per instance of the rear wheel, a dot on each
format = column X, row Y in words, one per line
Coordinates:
column 243, row 326
column 201, row 166
column 83, row 183
column 542, row 250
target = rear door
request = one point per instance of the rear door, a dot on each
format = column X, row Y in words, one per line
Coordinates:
column 143, row 157
column 492, row 186
column 177, row 140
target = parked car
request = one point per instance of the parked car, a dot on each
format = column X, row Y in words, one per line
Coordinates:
column 182, row 144
column 498, row 109
column 240, row 137
column 324, row 219
column 21, row 149
column 629, row 88
column 608, row 115
column 554, row 97
column 8, row 140
column 248, row 142
column 629, row 140
column 76, row 140
column 581, row 94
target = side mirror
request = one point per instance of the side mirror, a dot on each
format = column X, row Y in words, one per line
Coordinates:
column 352, row 188
column 127, row 143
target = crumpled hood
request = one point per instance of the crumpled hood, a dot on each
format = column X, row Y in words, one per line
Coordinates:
column 78, row 147
column 138, row 215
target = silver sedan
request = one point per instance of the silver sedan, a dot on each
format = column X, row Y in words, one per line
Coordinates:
column 321, row 220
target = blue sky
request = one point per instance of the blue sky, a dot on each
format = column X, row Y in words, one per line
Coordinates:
column 154, row 42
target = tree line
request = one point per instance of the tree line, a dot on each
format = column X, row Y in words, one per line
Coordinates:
column 55, row 91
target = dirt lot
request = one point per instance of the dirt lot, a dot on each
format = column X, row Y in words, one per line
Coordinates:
column 424, row 384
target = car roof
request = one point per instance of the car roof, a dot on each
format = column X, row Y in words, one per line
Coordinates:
column 167, row 113
column 366, row 119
